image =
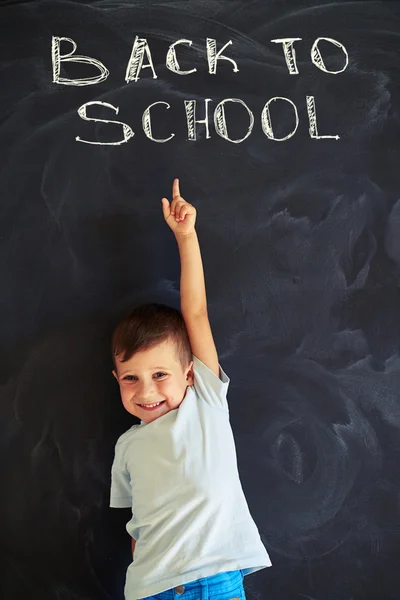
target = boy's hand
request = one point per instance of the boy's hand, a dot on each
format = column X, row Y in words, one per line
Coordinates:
column 180, row 216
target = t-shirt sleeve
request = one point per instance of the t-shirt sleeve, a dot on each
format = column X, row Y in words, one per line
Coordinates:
column 211, row 388
column 120, row 493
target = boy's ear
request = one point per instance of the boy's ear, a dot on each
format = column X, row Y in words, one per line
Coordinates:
column 115, row 374
column 190, row 374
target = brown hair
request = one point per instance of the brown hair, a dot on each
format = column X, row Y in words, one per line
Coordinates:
column 148, row 325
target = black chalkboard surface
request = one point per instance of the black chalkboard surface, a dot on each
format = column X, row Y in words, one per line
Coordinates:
column 281, row 120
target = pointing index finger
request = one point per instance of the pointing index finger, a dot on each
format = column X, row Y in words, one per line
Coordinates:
column 175, row 189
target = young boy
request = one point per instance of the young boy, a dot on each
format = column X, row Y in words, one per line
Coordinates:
column 193, row 535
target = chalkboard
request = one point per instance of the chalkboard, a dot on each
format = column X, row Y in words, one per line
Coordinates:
column 281, row 120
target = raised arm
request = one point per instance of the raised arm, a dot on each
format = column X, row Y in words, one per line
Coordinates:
column 181, row 218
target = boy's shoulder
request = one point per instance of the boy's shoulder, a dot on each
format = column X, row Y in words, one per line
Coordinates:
column 126, row 436
column 209, row 386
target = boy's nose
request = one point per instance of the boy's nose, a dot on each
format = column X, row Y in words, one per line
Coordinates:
column 146, row 390
column 146, row 393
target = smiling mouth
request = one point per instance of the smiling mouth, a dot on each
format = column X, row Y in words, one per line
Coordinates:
column 152, row 406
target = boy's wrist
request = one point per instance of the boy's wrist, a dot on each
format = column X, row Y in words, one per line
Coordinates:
column 182, row 236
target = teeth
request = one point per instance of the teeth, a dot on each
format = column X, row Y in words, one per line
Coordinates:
column 151, row 405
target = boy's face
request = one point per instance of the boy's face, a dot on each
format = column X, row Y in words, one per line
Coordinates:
column 153, row 376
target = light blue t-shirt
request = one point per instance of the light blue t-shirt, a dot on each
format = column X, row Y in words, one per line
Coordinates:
column 179, row 474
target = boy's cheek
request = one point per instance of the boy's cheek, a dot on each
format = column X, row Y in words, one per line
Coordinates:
column 130, row 408
column 125, row 401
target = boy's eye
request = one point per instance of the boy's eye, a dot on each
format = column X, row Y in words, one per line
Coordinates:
column 131, row 377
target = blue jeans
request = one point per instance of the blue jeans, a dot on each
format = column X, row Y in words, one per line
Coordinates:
column 223, row 586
